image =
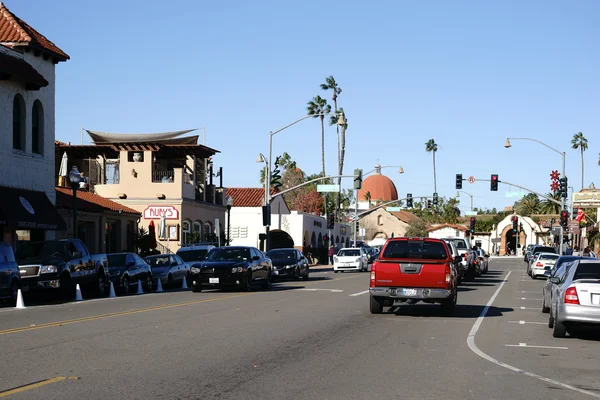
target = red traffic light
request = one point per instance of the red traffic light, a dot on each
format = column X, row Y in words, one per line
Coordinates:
column 564, row 214
column 494, row 177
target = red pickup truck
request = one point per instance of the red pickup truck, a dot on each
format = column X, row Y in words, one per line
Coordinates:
column 410, row 270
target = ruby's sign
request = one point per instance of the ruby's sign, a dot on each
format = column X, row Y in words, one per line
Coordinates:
column 156, row 212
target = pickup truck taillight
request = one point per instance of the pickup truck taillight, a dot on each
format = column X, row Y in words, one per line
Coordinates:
column 571, row 296
column 448, row 274
column 373, row 268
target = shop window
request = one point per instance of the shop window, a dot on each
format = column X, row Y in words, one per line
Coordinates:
column 19, row 123
column 208, row 232
column 186, row 231
column 37, row 128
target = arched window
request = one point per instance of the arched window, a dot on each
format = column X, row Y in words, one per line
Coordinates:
column 37, row 128
column 208, row 232
column 19, row 123
column 380, row 220
column 186, row 231
column 198, row 229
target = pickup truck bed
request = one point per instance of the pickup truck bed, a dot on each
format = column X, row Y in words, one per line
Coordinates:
column 411, row 270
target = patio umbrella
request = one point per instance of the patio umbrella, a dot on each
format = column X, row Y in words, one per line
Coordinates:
column 151, row 236
column 163, row 226
column 63, row 171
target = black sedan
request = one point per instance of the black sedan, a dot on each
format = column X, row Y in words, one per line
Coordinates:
column 126, row 269
column 288, row 263
column 230, row 267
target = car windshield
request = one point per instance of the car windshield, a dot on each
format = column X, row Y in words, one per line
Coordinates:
column 30, row 250
column 157, row 261
column 229, row 254
column 460, row 243
column 193, row 255
column 549, row 256
column 415, row 249
column 544, row 249
column 587, row 271
column 349, row 253
column 116, row 260
column 281, row 254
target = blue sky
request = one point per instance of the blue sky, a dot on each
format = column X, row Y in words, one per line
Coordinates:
column 465, row 73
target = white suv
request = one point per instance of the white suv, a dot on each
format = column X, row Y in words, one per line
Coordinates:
column 351, row 259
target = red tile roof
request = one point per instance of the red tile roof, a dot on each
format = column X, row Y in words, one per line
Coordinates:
column 405, row 216
column 16, row 32
column 90, row 202
column 21, row 70
column 247, row 197
column 442, row 226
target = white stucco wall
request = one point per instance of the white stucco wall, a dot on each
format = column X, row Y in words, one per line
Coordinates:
column 529, row 227
column 446, row 232
column 24, row 169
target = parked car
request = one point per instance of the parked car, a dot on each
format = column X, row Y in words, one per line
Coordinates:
column 232, row 267
column 59, row 265
column 527, row 251
column 457, row 259
column 541, row 263
column 411, row 270
column 577, row 299
column 194, row 252
column 126, row 269
column 351, row 259
column 483, row 260
column 10, row 278
column 288, row 263
column 559, row 270
column 534, row 252
column 170, row 269
column 464, row 247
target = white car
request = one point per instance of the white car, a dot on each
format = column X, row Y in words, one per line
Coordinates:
column 541, row 263
column 351, row 259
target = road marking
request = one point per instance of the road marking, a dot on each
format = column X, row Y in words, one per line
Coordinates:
column 30, row 386
column 526, row 322
column 536, row 347
column 529, row 308
column 323, row 290
column 525, row 298
column 525, row 291
column 359, row 293
column 476, row 350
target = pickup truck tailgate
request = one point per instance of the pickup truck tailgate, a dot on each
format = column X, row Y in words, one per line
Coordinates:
column 411, row 273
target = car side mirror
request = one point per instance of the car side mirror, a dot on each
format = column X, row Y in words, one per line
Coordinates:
column 554, row 280
column 77, row 254
column 458, row 258
column 547, row 274
column 255, row 258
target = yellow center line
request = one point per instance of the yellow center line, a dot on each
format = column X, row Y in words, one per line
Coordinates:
column 35, row 385
column 142, row 310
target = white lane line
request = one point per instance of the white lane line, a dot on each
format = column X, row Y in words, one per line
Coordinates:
column 527, row 322
column 359, row 293
column 475, row 349
column 322, row 290
column 536, row 347
column 525, row 291
column 529, row 308
column 525, row 298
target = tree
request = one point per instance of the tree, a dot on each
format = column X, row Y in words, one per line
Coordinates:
column 316, row 106
column 550, row 207
column 580, row 142
column 417, row 228
column 432, row 147
column 529, row 204
column 309, row 201
column 331, row 84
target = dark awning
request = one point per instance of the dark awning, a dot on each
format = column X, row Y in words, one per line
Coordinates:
column 28, row 209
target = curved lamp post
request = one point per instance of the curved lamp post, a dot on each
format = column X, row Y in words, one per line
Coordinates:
column 229, row 204
column 75, row 178
column 458, row 192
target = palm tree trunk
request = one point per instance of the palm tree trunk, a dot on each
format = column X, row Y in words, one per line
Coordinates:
column 337, row 130
column 434, row 175
column 323, row 145
column 582, row 168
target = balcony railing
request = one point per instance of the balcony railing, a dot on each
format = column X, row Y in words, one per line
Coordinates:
column 163, row 176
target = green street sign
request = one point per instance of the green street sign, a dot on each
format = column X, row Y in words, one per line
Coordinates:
column 328, row 188
column 393, row 209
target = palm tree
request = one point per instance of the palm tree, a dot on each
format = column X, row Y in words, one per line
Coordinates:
column 316, row 106
column 331, row 84
column 528, row 205
column 550, row 207
column 580, row 142
column 432, row 147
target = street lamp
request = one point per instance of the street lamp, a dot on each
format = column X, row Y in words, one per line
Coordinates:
column 563, row 155
column 229, row 204
column 378, row 170
column 75, row 178
column 469, row 194
column 261, row 158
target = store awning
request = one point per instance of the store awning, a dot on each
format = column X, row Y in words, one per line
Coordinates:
column 28, row 209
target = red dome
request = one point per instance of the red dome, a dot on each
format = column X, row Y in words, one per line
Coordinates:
column 380, row 187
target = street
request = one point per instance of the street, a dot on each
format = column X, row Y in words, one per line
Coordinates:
column 303, row 340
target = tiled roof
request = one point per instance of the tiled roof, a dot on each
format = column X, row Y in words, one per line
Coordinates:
column 90, row 202
column 405, row 216
column 16, row 32
column 247, row 197
column 442, row 226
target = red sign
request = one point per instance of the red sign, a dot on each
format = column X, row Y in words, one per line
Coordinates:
column 156, row 212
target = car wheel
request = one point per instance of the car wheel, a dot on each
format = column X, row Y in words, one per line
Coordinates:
column 14, row 293
column 125, row 285
column 559, row 329
column 196, row 288
column 296, row 274
column 448, row 305
column 247, row 287
column 335, row 272
column 101, row 285
column 67, row 288
column 550, row 320
column 375, row 305
column 267, row 282
column 148, row 283
column 545, row 309
column 305, row 277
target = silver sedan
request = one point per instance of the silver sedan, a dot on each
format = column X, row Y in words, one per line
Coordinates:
column 576, row 301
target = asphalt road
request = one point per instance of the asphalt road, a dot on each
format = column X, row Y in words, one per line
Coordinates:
column 303, row 340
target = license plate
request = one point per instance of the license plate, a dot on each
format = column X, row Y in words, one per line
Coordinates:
column 409, row 292
column 596, row 299
column 213, row 280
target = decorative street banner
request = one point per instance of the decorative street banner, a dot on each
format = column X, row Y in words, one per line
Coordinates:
column 587, row 199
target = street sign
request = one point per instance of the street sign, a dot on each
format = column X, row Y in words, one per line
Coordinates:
column 393, row 209
column 515, row 194
column 328, row 188
column 471, row 179
column 470, row 213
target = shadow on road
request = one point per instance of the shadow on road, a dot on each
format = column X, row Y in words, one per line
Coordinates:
column 461, row 311
column 588, row 334
column 465, row 289
column 278, row 288
column 475, row 284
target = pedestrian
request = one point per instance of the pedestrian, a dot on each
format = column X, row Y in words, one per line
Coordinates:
column 331, row 253
column 586, row 252
column 576, row 251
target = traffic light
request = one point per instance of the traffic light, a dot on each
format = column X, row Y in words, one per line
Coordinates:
column 564, row 219
column 357, row 179
column 515, row 221
column 409, row 200
column 459, row 181
column 266, row 215
column 435, row 199
column 494, row 183
column 330, row 221
column 472, row 225
column 564, row 187
column 429, row 204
